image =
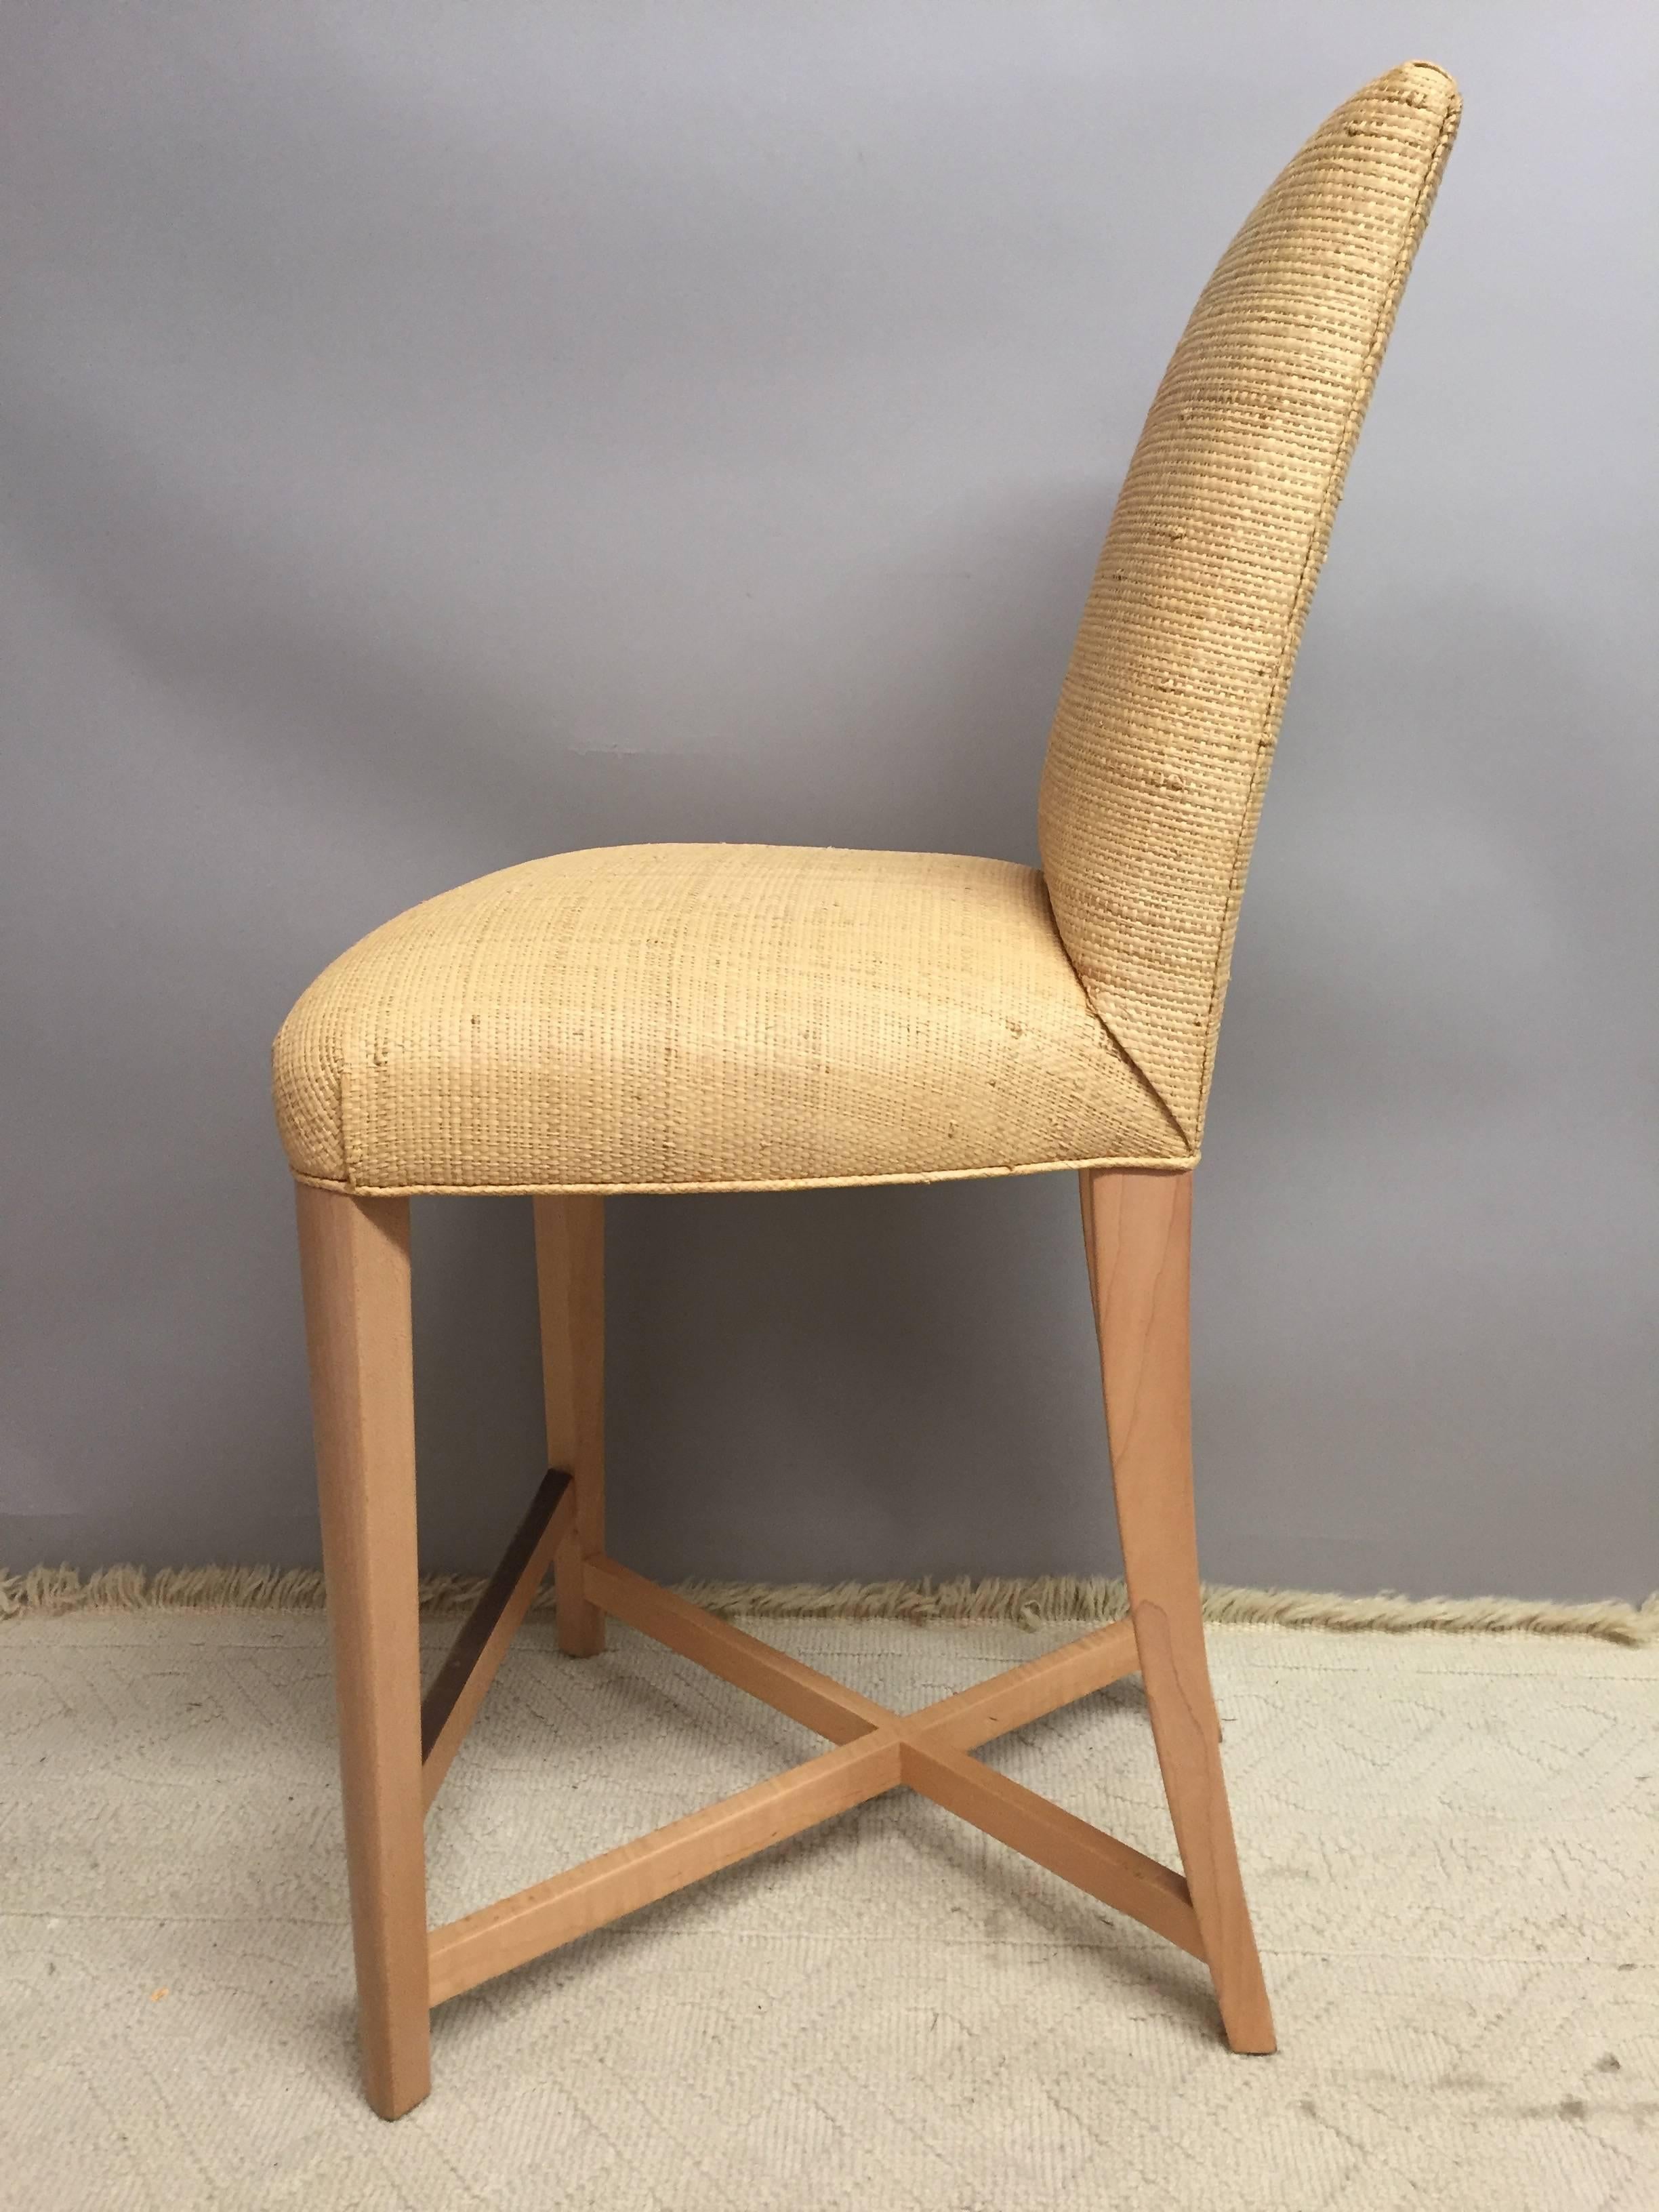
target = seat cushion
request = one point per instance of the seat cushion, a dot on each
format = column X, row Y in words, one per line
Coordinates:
column 709, row 1017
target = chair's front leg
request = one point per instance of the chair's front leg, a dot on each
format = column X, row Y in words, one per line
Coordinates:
column 1137, row 1234
column 570, row 1284
column 354, row 1257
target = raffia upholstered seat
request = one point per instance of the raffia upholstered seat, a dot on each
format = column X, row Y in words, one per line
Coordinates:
column 681, row 1017
column 710, row 1017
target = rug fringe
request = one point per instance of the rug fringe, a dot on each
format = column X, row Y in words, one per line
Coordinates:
column 1028, row 1601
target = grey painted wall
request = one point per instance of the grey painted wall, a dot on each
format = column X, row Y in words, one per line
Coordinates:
column 435, row 436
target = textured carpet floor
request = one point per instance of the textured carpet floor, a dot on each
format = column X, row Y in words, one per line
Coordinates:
column 1450, row 1843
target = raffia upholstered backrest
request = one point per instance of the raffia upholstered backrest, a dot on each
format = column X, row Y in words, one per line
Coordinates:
column 1166, row 724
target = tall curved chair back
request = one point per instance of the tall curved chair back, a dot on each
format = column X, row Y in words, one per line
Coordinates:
column 1165, row 730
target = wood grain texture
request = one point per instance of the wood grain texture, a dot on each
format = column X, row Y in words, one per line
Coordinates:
column 927, row 1749
column 501, row 1937
column 1023, row 1694
column 815, row 1700
column 1115, row 1872
column 571, row 1293
column 451, row 1704
column 1142, row 1237
column 354, row 1260
column 518, row 1929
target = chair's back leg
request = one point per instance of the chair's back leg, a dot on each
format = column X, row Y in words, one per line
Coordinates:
column 570, row 1285
column 354, row 1258
column 1138, row 1236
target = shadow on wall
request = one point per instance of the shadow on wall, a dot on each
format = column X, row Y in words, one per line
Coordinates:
column 804, row 1385
column 898, row 696
column 1425, row 1296
column 908, row 710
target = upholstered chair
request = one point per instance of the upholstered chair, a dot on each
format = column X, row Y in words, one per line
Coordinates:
column 724, row 1017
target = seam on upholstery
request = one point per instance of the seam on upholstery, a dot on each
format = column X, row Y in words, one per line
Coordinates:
column 1290, row 643
column 1163, row 1165
column 1139, row 1072
column 1117, row 1044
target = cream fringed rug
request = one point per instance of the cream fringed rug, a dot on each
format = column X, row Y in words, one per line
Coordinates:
column 1449, row 1841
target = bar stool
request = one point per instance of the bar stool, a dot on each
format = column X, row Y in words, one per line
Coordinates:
column 716, row 1017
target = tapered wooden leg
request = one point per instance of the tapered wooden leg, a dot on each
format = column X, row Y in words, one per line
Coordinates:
column 1139, row 1243
column 353, row 1259
column 570, row 1282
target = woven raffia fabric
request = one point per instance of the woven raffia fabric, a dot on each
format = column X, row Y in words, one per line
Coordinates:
column 1166, row 732
column 675, row 1018
column 663, row 1016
